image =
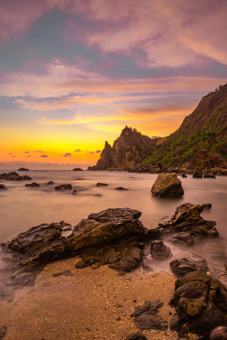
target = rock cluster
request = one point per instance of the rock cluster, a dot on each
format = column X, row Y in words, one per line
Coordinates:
column 200, row 302
column 13, row 176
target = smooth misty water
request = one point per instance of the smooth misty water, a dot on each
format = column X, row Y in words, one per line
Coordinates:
column 22, row 208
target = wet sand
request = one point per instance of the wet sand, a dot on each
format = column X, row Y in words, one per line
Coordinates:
column 89, row 304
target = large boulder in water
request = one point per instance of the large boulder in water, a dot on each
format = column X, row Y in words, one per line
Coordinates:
column 185, row 265
column 200, row 302
column 167, row 185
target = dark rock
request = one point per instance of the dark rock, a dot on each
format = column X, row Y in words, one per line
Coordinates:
column 136, row 336
column 3, row 330
column 131, row 259
column 182, row 266
column 77, row 169
column 117, row 215
column 184, row 238
column 64, row 187
column 197, row 174
column 120, row 188
column 167, row 185
column 175, row 323
column 209, row 176
column 32, row 185
column 146, row 316
column 184, row 176
column 219, row 272
column 187, row 219
column 50, row 182
column 219, row 333
column 159, row 251
column 13, row 176
column 23, row 169
column 200, row 302
column 75, row 191
column 2, row 187
column 101, row 185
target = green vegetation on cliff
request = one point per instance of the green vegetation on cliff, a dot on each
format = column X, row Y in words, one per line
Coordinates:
column 201, row 140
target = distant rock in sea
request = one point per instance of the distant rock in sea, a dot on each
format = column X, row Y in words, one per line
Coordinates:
column 167, row 185
column 23, row 169
column 77, row 169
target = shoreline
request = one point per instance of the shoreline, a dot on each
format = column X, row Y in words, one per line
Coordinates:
column 86, row 304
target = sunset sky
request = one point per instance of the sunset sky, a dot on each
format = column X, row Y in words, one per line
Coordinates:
column 73, row 73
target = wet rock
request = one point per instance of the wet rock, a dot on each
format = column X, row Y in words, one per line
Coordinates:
column 159, row 251
column 136, row 336
column 181, row 267
column 183, row 238
column 219, row 272
column 101, row 185
column 200, row 302
column 187, row 219
column 23, row 169
column 32, row 185
column 64, row 187
column 167, row 185
column 131, row 259
column 209, row 176
column 77, row 169
column 175, row 323
column 219, row 333
column 50, row 182
column 3, row 330
column 197, row 174
column 14, row 176
column 184, row 176
column 120, row 188
column 150, row 307
column 2, row 187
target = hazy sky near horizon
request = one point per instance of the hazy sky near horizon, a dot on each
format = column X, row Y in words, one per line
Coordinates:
column 73, row 73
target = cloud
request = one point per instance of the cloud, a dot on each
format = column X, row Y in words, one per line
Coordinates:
column 13, row 156
column 10, row 153
column 37, row 151
column 98, row 151
column 91, row 152
column 77, row 150
column 67, row 154
column 26, row 151
column 43, row 156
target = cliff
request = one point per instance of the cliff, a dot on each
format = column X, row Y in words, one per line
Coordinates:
column 128, row 151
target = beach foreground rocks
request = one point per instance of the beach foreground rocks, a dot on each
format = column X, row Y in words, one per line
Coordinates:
column 167, row 185
column 200, row 302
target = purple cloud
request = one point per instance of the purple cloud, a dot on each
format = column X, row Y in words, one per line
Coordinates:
column 77, row 150
column 26, row 152
column 67, row 154
column 98, row 151
column 43, row 156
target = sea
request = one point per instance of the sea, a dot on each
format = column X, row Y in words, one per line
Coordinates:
column 22, row 207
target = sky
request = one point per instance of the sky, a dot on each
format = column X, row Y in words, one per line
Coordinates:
column 74, row 73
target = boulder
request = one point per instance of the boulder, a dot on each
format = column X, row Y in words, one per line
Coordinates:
column 181, row 267
column 2, row 187
column 77, row 169
column 64, row 187
column 183, row 238
column 32, row 185
column 167, row 185
column 120, row 188
column 50, row 182
column 200, row 302
column 187, row 219
column 209, row 176
column 184, row 176
column 136, row 336
column 23, row 169
column 197, row 174
column 160, row 251
column 219, row 333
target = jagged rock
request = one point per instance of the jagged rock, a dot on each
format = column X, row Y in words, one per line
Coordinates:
column 23, row 169
column 64, row 187
column 167, row 185
column 120, row 188
column 32, row 185
column 192, row 263
column 2, row 187
column 159, row 251
column 145, row 317
column 77, row 169
column 136, row 336
column 187, row 219
column 13, row 176
column 200, row 302
column 101, row 185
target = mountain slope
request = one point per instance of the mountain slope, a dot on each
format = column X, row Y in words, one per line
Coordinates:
column 201, row 139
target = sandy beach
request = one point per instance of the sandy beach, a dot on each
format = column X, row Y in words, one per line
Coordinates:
column 86, row 304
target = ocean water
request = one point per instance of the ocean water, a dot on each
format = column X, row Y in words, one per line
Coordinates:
column 22, row 207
